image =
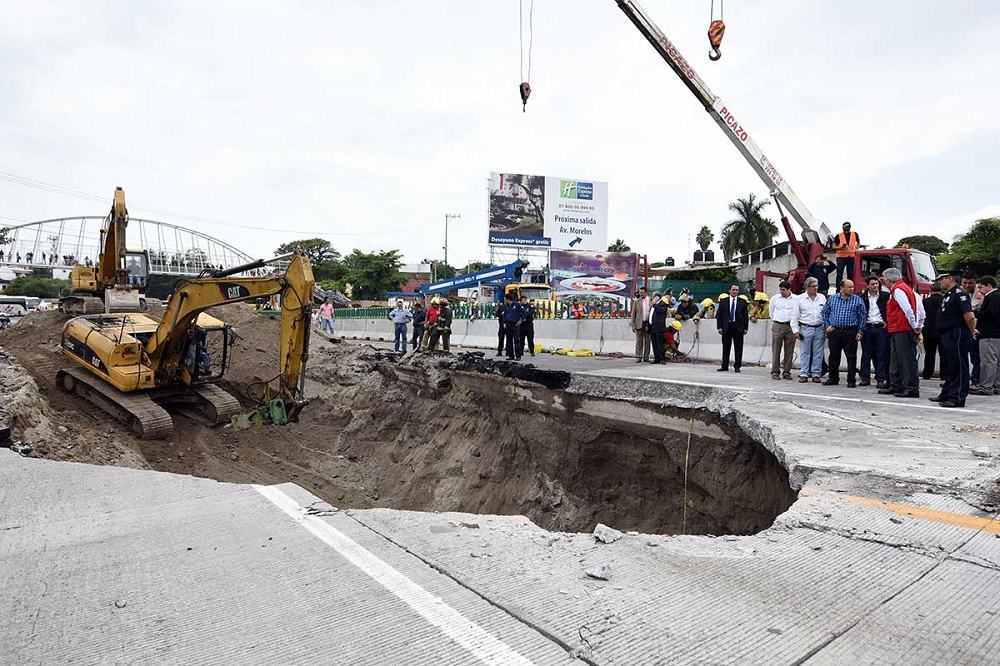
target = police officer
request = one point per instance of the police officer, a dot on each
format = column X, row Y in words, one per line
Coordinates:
column 957, row 325
column 527, row 332
column 501, row 309
column 512, row 317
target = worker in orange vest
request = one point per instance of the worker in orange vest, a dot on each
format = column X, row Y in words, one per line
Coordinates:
column 846, row 244
column 577, row 311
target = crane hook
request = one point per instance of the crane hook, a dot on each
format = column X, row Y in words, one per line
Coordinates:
column 525, row 89
column 715, row 32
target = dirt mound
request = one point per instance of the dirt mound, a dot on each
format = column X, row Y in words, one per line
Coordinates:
column 65, row 427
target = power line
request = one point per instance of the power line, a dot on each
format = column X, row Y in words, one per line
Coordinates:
column 77, row 194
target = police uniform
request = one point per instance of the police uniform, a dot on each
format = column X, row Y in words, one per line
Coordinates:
column 955, row 342
column 527, row 332
column 501, row 309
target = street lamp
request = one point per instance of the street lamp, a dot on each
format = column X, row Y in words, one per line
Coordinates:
column 447, row 218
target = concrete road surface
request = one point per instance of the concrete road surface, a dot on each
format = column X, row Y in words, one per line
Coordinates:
column 891, row 555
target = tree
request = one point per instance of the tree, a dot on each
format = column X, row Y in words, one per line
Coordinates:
column 704, row 238
column 619, row 246
column 317, row 249
column 750, row 230
column 932, row 245
column 372, row 275
column 474, row 266
column 329, row 270
column 4, row 235
column 977, row 250
column 41, row 287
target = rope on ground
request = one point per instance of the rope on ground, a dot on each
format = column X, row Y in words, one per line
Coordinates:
column 687, row 462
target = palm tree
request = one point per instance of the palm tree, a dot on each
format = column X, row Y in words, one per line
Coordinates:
column 750, row 230
column 704, row 238
column 619, row 246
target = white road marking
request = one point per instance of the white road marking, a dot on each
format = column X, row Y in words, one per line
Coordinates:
column 482, row 644
column 910, row 403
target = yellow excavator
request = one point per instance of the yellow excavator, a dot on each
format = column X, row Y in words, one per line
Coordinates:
column 132, row 365
column 115, row 282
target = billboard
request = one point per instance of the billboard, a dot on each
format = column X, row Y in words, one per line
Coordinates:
column 592, row 276
column 544, row 211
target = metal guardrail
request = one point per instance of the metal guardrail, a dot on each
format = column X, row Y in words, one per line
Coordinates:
column 546, row 310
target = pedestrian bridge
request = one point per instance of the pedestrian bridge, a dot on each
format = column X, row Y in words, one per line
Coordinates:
column 66, row 241
column 63, row 242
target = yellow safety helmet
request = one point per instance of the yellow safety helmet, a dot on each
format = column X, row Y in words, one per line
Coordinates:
column 707, row 303
column 435, row 301
column 744, row 297
column 676, row 325
column 722, row 296
column 761, row 296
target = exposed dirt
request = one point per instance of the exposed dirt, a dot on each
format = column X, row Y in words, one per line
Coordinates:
column 426, row 432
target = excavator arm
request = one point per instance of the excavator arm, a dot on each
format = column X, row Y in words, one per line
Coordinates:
column 110, row 273
column 165, row 348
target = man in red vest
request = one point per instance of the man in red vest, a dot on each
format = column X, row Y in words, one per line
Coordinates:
column 846, row 244
column 904, row 332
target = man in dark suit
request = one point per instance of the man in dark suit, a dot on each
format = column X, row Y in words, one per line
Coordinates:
column 732, row 321
column 875, row 343
column 932, row 336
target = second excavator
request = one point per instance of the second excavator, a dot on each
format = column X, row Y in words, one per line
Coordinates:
column 116, row 281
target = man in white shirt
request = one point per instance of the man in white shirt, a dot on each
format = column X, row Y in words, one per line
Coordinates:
column 809, row 329
column 784, row 310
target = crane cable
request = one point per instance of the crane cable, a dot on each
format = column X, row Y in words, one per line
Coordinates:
column 525, row 88
column 716, row 29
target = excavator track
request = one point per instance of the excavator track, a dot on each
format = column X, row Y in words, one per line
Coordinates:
column 147, row 419
column 219, row 406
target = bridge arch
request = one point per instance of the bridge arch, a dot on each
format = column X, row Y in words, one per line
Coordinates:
column 173, row 249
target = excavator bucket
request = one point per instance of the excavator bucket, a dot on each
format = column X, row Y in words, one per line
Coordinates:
column 121, row 300
column 276, row 412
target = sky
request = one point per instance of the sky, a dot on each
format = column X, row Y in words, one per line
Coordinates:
column 365, row 123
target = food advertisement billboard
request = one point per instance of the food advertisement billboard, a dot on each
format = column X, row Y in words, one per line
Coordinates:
column 592, row 276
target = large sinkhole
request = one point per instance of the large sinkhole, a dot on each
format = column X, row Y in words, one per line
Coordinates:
column 436, row 440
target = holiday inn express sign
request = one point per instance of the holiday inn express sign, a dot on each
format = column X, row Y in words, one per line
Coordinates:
column 544, row 211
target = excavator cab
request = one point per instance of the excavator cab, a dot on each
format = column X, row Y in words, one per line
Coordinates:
column 134, row 266
column 206, row 350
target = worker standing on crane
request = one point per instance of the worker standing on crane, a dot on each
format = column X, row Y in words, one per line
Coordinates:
column 846, row 244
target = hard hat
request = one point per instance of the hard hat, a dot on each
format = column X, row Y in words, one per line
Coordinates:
column 847, row 225
column 685, row 297
column 443, row 301
column 761, row 296
column 676, row 325
column 721, row 296
column 744, row 297
column 435, row 301
column 707, row 303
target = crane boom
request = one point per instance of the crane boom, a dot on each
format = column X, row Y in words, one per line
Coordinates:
column 720, row 113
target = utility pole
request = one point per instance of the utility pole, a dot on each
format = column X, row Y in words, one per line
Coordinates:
column 448, row 218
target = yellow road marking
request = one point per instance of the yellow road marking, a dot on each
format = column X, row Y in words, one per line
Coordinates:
column 933, row 515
